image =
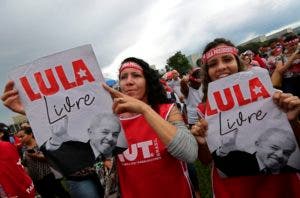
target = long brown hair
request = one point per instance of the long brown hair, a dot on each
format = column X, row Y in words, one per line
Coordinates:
column 208, row 47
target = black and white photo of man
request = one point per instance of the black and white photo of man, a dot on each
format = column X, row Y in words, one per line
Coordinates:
column 68, row 154
column 273, row 149
column 59, row 135
column 103, row 133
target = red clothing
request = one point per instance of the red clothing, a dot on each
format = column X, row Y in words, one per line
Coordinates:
column 295, row 67
column 165, row 85
column 273, row 186
column 146, row 169
column 13, row 178
column 18, row 143
column 260, row 61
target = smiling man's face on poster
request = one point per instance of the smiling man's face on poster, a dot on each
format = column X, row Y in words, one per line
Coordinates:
column 239, row 111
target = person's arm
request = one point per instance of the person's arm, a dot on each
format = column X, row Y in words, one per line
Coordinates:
column 59, row 134
column 164, row 129
column 199, row 130
column 11, row 98
column 276, row 76
column 183, row 146
column 178, row 139
column 184, row 87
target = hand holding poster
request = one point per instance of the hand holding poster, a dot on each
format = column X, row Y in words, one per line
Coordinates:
column 247, row 133
column 68, row 109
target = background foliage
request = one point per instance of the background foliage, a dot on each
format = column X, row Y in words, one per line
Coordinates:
column 204, row 179
column 178, row 62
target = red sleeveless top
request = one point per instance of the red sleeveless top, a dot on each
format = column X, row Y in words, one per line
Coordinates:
column 259, row 186
column 146, row 169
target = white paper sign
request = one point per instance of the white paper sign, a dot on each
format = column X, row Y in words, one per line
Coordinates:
column 239, row 110
column 63, row 89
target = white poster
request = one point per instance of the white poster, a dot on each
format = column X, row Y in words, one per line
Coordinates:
column 65, row 101
column 247, row 133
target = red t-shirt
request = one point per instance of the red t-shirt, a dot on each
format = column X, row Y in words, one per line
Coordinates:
column 13, row 178
column 146, row 169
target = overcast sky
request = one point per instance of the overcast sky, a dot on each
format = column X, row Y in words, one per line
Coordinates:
column 149, row 29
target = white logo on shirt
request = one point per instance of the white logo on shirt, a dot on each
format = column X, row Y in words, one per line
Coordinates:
column 143, row 151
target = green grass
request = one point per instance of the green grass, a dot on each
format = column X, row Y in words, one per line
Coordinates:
column 204, row 179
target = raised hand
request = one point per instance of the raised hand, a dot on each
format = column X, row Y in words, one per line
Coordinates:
column 199, row 130
column 123, row 103
column 228, row 143
column 11, row 98
column 59, row 134
column 288, row 103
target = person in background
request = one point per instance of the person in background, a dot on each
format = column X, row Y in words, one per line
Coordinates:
column 4, row 132
column 219, row 66
column 263, row 51
column 276, row 53
column 165, row 85
column 14, row 181
column 257, row 57
column 192, row 91
column 174, row 83
column 246, row 61
column 247, row 58
column 172, row 97
column 38, row 167
column 159, row 144
column 6, row 135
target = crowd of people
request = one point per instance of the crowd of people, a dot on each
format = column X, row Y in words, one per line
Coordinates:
column 281, row 58
column 164, row 125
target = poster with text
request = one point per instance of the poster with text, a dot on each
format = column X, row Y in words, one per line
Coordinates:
column 65, row 102
column 248, row 134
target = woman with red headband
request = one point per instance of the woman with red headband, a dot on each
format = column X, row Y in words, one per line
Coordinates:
column 220, row 59
column 159, row 144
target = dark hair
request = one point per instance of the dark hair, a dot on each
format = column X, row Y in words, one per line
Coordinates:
column 5, row 130
column 289, row 36
column 156, row 93
column 27, row 130
column 208, row 47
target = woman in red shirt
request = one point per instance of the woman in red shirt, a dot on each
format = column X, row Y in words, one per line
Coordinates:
column 219, row 64
column 159, row 144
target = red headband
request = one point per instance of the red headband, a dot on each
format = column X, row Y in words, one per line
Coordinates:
column 291, row 42
column 130, row 65
column 217, row 51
